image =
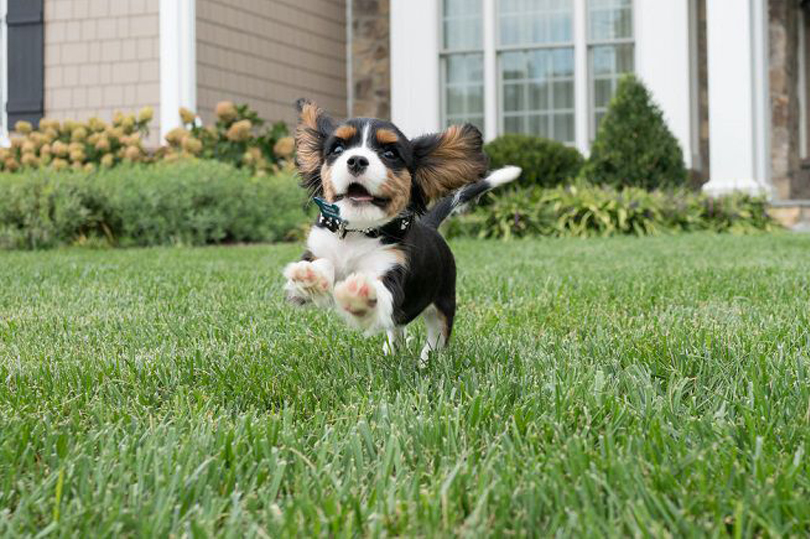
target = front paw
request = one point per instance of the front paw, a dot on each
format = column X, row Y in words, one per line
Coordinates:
column 365, row 303
column 307, row 282
column 357, row 296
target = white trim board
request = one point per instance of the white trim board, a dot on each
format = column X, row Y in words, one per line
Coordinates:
column 178, row 61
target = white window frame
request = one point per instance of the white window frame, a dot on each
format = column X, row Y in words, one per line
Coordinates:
column 589, row 46
column 583, row 98
column 444, row 52
column 4, row 139
column 551, row 46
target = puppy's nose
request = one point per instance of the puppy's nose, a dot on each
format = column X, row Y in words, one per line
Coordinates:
column 357, row 164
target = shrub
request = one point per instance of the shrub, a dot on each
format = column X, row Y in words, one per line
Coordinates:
column 634, row 146
column 80, row 146
column 236, row 138
column 191, row 202
column 584, row 210
column 544, row 162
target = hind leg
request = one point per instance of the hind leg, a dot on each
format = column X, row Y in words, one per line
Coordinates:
column 439, row 323
column 394, row 337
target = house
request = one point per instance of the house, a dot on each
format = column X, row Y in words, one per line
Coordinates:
column 83, row 58
column 729, row 75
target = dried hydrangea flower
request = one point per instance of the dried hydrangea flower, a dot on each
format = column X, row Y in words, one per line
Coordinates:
column 240, row 131
column 187, row 116
column 226, row 111
column 23, row 127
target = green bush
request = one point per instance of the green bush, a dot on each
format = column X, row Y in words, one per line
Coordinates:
column 544, row 162
column 190, row 202
column 585, row 211
column 634, row 146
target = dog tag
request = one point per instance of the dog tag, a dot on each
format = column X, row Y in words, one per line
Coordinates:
column 330, row 211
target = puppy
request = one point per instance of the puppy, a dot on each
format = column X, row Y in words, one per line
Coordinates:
column 375, row 254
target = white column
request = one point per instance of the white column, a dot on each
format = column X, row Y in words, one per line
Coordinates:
column 663, row 63
column 582, row 108
column 490, row 71
column 415, row 88
column 739, row 118
column 178, row 61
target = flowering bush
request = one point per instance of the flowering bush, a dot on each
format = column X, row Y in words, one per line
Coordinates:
column 79, row 146
column 235, row 138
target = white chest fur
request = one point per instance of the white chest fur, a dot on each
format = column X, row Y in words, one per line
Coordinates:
column 354, row 253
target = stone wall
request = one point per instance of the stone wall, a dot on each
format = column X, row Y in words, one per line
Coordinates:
column 102, row 56
column 371, row 59
column 783, row 35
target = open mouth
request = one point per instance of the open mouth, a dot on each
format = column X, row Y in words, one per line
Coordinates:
column 360, row 195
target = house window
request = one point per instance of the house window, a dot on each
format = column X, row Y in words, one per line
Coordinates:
column 536, row 68
column 462, row 63
column 544, row 54
column 610, row 51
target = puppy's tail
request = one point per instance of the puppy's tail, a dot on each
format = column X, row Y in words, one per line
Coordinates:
column 449, row 204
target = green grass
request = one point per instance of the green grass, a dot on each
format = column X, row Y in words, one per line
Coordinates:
column 619, row 386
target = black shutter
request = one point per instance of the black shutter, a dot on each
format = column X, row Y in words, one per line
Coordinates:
column 26, row 62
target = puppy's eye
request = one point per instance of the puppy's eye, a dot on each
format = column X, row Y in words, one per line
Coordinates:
column 390, row 154
column 338, row 149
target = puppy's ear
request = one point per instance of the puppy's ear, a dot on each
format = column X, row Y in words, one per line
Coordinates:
column 447, row 161
column 314, row 127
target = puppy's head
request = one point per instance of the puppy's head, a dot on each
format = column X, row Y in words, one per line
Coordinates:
column 374, row 173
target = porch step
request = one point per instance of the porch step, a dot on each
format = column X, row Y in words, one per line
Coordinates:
column 792, row 214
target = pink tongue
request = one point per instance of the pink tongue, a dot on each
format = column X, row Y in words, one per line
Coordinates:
column 362, row 198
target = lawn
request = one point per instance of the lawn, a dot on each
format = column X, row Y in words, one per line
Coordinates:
column 617, row 386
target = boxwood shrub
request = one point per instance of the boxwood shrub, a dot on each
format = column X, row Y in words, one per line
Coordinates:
column 190, row 202
column 634, row 146
column 545, row 162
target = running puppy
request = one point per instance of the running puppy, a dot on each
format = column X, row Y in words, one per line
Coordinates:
column 375, row 253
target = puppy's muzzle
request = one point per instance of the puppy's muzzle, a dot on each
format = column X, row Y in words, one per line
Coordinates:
column 357, row 165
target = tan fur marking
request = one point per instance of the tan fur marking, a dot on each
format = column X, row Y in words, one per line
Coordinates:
column 397, row 187
column 456, row 161
column 386, row 136
column 443, row 320
column 345, row 132
column 307, row 155
column 309, row 115
column 326, row 181
column 402, row 260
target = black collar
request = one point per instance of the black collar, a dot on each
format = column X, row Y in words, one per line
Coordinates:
column 393, row 230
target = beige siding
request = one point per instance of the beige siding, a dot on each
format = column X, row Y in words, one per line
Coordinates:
column 102, row 56
column 268, row 53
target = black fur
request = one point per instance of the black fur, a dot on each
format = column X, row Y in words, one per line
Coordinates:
column 430, row 277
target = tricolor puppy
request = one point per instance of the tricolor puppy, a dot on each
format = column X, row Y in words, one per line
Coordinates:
column 375, row 254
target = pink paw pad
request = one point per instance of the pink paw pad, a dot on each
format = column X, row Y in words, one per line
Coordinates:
column 356, row 295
